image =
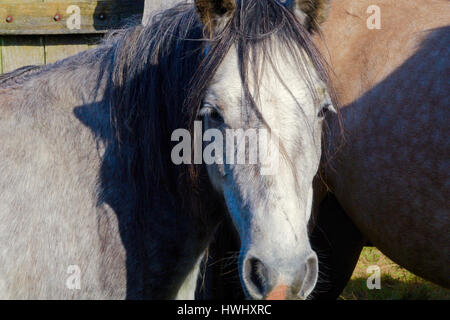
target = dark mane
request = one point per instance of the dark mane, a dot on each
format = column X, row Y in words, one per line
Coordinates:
column 160, row 73
column 17, row 76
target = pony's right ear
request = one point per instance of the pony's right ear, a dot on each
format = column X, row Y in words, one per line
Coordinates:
column 215, row 14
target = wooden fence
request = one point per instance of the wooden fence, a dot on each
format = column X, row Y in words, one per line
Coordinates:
column 44, row 31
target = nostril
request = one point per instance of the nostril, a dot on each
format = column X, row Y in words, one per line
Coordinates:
column 257, row 276
column 311, row 275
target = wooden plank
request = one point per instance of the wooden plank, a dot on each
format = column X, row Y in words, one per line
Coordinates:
column 94, row 40
column 21, row 51
column 31, row 18
column 58, row 47
column 23, row 1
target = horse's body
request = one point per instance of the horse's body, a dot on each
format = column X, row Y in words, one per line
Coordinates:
column 66, row 200
column 41, row 186
column 389, row 173
column 93, row 203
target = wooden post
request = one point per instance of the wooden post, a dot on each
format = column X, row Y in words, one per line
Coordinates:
column 54, row 17
column 37, row 31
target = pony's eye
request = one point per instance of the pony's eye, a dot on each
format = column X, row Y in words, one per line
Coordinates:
column 212, row 113
column 324, row 110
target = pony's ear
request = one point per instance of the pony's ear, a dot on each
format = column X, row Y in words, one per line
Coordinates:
column 215, row 14
column 312, row 12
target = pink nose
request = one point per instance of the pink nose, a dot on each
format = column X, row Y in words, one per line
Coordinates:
column 279, row 293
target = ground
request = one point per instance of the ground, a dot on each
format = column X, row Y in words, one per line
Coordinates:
column 396, row 282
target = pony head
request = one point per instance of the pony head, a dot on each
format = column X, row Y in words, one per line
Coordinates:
column 261, row 117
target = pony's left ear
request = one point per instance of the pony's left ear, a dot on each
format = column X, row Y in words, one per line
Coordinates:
column 312, row 12
column 215, row 14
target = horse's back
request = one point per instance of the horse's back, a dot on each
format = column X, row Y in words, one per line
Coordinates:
column 392, row 173
column 52, row 224
column 361, row 57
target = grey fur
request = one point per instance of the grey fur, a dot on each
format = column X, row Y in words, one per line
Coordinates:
column 68, row 195
column 86, row 178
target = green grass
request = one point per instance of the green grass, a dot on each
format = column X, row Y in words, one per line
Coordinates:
column 396, row 282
